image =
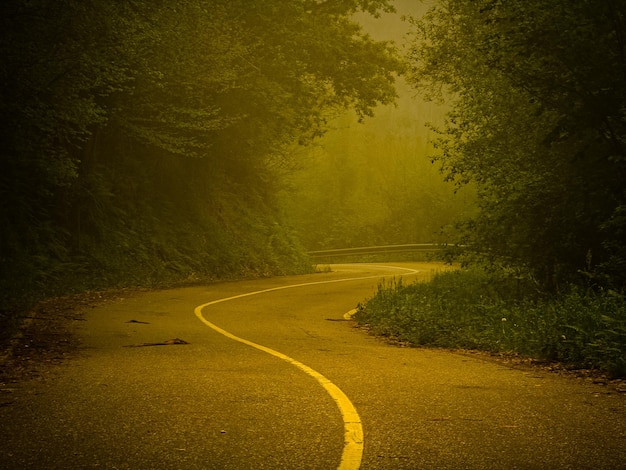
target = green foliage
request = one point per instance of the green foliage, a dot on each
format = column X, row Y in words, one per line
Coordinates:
column 537, row 122
column 499, row 312
column 144, row 142
column 372, row 184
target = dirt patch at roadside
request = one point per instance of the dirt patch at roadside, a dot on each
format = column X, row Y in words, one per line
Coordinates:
column 515, row 361
column 45, row 336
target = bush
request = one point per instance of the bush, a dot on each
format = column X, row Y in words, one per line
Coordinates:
column 499, row 312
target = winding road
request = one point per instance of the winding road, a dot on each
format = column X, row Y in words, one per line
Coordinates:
column 271, row 375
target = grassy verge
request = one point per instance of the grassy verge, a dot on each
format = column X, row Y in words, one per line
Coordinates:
column 472, row 309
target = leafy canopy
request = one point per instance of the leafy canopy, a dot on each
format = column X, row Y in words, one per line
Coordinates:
column 147, row 133
column 537, row 93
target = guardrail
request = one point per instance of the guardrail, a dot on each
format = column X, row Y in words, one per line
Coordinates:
column 374, row 250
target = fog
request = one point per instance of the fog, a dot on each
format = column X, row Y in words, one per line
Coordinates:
column 374, row 182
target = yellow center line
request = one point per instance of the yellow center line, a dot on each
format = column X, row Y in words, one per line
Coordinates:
column 353, row 429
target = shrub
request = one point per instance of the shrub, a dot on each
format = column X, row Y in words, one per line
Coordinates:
column 500, row 312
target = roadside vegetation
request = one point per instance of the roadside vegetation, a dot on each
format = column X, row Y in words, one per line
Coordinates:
column 537, row 123
column 501, row 313
column 146, row 143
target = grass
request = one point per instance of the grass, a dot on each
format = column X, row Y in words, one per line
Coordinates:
column 473, row 309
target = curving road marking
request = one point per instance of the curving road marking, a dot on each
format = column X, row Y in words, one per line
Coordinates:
column 353, row 429
column 350, row 314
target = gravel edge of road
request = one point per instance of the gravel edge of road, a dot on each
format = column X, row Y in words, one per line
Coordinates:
column 45, row 340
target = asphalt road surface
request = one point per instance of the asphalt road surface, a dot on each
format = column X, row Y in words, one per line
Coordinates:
column 273, row 377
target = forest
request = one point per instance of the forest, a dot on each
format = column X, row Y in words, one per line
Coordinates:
column 536, row 123
column 373, row 184
column 146, row 142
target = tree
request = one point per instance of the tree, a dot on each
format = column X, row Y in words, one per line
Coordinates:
column 537, row 93
column 136, row 133
column 372, row 183
column 59, row 60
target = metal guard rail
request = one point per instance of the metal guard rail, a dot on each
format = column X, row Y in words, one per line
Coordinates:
column 371, row 250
